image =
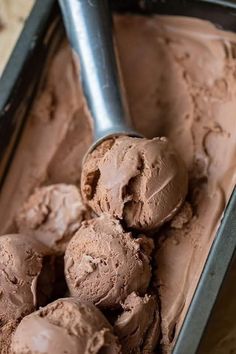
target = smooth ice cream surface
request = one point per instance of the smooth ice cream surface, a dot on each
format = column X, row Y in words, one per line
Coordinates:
column 104, row 264
column 52, row 215
column 179, row 75
column 138, row 327
column 65, row 326
column 141, row 181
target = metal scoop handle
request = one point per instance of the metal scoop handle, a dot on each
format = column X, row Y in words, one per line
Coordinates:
column 89, row 28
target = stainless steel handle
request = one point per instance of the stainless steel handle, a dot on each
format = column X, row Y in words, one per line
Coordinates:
column 88, row 26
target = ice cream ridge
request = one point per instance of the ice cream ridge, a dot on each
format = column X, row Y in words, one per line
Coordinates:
column 128, row 231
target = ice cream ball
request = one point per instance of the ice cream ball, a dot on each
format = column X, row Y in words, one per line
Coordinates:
column 104, row 264
column 66, row 326
column 26, row 276
column 52, row 215
column 141, row 181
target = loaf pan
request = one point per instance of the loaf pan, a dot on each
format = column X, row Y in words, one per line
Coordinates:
column 19, row 82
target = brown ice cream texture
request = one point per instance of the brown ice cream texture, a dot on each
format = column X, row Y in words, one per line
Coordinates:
column 104, row 264
column 179, row 75
column 26, row 282
column 52, row 215
column 25, row 279
column 65, row 326
column 138, row 327
column 141, row 181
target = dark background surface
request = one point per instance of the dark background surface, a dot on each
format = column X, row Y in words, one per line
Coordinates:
column 220, row 334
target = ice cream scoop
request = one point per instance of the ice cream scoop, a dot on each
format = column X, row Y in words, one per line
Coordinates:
column 65, row 326
column 88, row 26
column 104, row 264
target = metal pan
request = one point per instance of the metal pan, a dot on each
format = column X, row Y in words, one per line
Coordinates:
column 17, row 87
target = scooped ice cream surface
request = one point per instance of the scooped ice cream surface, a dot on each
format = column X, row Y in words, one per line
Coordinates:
column 104, row 264
column 142, row 181
column 138, row 327
column 66, row 326
column 26, row 278
column 52, row 215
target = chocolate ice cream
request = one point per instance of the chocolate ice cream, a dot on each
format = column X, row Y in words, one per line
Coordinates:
column 22, row 276
column 141, row 181
column 184, row 88
column 65, row 326
column 26, row 281
column 52, row 215
column 138, row 327
column 104, row 264
column 6, row 332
